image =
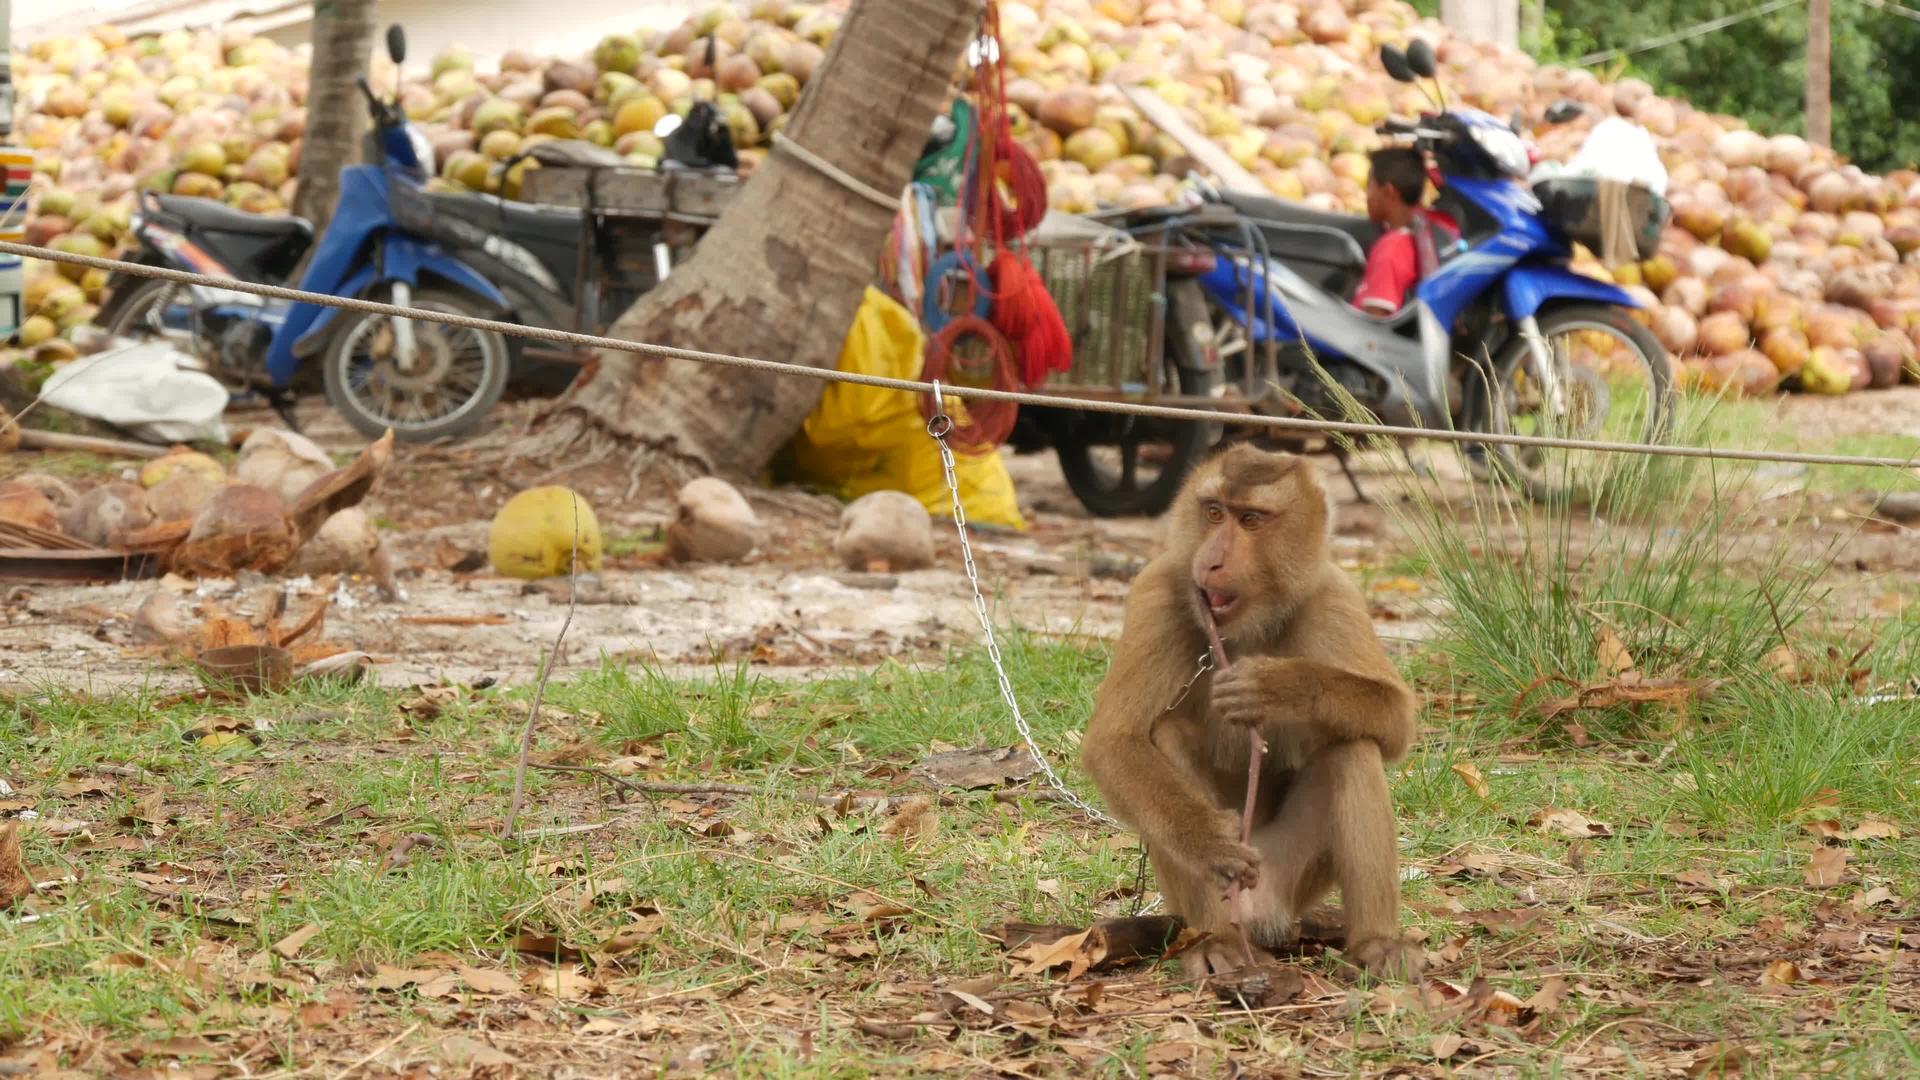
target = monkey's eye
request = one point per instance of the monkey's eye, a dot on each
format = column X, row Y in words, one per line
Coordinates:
column 1215, row 513
column 1251, row 520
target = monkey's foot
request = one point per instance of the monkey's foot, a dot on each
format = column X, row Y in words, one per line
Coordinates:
column 1219, row 956
column 1388, row 958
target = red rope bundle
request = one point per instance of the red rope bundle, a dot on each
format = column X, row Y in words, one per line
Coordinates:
column 1024, row 311
column 981, row 425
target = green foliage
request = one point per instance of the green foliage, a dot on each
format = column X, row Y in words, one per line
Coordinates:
column 1755, row 70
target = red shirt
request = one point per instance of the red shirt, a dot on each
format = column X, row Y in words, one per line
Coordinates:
column 1393, row 266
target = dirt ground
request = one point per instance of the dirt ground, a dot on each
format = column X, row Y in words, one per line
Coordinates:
column 789, row 607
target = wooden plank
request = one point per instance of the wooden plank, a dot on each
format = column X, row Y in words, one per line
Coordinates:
column 32, row 439
column 1203, row 150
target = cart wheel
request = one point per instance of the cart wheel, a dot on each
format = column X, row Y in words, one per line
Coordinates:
column 1129, row 466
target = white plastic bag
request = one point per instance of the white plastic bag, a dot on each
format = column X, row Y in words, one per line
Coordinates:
column 1618, row 149
column 148, row 388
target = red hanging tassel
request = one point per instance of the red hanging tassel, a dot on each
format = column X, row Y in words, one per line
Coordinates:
column 1024, row 311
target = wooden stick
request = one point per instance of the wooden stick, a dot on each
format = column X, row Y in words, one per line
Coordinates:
column 1256, row 756
column 52, row 440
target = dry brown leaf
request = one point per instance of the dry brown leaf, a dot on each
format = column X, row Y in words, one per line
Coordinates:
column 1783, row 662
column 1827, row 867
column 1470, row 773
column 81, row 789
column 15, row 885
column 487, row 981
column 1070, row 952
column 1873, row 897
column 851, row 948
column 1872, row 828
column 870, row 908
column 1446, row 1047
column 1546, row 1000
column 1614, row 657
column 1564, row 822
column 465, row 1052
column 291, row 945
column 393, row 978
column 1780, row 973
column 564, row 983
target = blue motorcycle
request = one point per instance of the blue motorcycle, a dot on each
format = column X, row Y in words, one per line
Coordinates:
column 1503, row 336
column 423, row 380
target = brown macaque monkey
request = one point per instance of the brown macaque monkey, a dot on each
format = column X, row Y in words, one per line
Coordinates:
column 1248, row 545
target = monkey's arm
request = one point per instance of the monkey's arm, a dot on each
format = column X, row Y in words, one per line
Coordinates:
column 1338, row 679
column 1158, row 651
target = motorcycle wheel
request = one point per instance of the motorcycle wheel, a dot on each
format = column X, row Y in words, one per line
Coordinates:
column 464, row 375
column 1619, row 383
column 1107, row 477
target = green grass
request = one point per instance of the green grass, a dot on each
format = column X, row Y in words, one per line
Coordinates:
column 725, row 931
column 1759, row 424
column 248, row 835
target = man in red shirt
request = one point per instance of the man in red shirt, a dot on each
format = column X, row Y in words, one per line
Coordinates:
column 1411, row 234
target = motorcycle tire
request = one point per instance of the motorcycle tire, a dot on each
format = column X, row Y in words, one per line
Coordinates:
column 1105, row 495
column 351, row 401
column 1504, row 459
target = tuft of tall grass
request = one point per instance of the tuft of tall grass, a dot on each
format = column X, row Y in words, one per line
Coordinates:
column 1647, row 565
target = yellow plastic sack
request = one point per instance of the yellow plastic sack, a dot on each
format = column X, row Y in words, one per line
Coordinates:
column 862, row 439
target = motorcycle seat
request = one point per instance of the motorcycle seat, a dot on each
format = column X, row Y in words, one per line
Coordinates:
column 1304, row 222
column 218, row 217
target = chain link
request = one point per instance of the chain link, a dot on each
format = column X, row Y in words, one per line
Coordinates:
column 938, row 427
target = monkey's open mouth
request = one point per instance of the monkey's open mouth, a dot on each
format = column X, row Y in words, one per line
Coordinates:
column 1218, row 602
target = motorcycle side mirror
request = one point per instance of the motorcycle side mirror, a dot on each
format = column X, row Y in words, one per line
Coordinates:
column 668, row 124
column 396, row 44
column 1420, row 58
column 1395, row 62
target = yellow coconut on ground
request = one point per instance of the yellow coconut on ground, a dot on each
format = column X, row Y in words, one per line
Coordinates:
column 533, row 535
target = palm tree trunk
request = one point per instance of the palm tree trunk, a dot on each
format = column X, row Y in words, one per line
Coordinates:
column 336, row 115
column 781, row 274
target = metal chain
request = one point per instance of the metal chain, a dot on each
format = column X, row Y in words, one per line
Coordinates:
column 939, row 427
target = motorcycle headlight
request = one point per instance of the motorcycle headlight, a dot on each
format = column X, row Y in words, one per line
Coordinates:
column 1504, row 147
column 422, row 149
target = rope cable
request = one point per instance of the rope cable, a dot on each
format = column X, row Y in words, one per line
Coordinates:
column 1052, row 401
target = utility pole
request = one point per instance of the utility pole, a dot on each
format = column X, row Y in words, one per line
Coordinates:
column 1497, row 21
column 1819, row 73
column 16, row 167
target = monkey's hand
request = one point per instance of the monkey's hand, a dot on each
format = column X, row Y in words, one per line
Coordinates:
column 1266, row 690
column 1220, row 856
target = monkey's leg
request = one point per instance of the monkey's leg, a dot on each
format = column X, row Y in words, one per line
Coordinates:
column 1197, row 901
column 1336, row 827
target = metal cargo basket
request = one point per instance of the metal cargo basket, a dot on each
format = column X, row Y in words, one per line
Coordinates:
column 1112, row 296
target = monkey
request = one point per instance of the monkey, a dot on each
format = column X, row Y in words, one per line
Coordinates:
column 1248, row 545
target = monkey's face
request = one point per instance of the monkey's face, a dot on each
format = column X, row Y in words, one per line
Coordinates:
column 1258, row 523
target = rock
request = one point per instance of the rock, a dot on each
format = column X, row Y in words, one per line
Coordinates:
column 281, row 461
column 713, row 523
column 1901, row 506
column 101, row 515
column 885, row 527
